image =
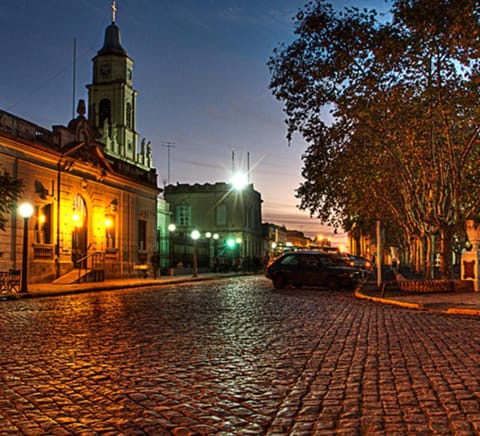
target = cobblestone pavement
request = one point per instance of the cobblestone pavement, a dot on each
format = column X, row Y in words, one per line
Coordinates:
column 234, row 357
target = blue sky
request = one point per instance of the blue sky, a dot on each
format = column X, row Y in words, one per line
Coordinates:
column 201, row 76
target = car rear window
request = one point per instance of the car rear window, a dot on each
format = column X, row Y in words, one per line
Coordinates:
column 290, row 260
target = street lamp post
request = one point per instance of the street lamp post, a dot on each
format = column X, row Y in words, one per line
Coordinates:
column 195, row 235
column 171, row 229
column 208, row 235
column 26, row 211
column 215, row 252
column 238, row 249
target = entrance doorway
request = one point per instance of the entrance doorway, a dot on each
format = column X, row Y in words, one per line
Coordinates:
column 79, row 233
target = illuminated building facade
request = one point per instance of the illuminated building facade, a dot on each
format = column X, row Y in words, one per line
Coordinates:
column 93, row 188
column 229, row 222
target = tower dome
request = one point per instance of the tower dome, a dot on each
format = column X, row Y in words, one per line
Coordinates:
column 112, row 43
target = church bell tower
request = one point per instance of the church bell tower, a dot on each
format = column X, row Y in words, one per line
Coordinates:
column 112, row 99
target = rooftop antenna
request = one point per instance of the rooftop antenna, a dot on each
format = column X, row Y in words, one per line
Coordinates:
column 248, row 166
column 168, row 145
column 74, row 75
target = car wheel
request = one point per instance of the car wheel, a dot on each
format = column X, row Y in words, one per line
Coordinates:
column 279, row 281
column 332, row 283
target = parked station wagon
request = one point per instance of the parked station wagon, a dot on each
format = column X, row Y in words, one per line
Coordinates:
column 312, row 268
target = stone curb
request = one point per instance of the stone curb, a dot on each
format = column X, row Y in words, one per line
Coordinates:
column 418, row 306
column 460, row 311
column 360, row 295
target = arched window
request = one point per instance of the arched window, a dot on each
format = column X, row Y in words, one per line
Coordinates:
column 79, row 209
column 104, row 112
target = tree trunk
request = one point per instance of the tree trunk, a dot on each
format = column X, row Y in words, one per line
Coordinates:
column 446, row 236
column 429, row 241
column 416, row 255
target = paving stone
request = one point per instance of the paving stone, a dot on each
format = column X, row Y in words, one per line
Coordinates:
column 234, row 357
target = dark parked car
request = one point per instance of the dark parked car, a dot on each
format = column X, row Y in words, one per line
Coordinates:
column 360, row 262
column 312, row 268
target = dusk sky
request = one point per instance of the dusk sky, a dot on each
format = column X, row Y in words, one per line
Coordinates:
column 201, row 76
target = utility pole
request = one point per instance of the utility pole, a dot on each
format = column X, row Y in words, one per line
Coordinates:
column 168, row 146
column 74, row 75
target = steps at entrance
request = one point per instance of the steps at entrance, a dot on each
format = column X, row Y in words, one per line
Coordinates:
column 72, row 277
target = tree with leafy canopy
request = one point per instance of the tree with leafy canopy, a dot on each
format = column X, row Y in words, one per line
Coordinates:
column 10, row 190
column 401, row 140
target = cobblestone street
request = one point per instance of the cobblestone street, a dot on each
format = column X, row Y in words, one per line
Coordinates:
column 234, row 357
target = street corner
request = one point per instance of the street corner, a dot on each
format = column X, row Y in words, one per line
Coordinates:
column 444, row 302
column 376, row 297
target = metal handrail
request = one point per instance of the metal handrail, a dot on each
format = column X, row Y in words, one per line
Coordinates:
column 94, row 256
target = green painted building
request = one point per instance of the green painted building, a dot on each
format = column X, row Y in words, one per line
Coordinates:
column 229, row 223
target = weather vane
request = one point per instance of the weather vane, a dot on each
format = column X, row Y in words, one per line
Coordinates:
column 114, row 10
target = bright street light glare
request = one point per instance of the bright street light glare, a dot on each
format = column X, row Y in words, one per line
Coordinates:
column 26, row 210
column 239, row 181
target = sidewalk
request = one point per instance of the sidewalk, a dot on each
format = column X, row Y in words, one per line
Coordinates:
column 460, row 303
column 52, row 289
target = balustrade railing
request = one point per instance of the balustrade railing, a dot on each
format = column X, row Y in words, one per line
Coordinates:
column 43, row 251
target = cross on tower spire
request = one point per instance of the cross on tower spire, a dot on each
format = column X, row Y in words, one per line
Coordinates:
column 114, row 11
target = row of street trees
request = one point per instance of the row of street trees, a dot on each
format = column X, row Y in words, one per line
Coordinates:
column 389, row 105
